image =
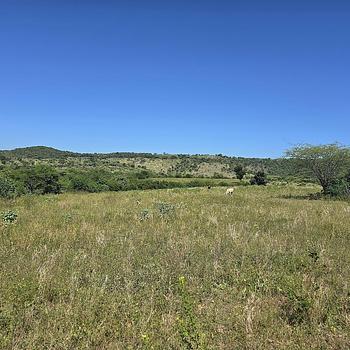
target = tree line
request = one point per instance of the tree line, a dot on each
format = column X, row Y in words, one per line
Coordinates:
column 329, row 165
column 44, row 179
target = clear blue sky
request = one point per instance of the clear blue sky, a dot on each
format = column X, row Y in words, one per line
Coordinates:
column 175, row 76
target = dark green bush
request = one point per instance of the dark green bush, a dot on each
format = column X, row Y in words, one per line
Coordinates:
column 259, row 179
column 347, row 177
column 38, row 179
column 339, row 188
column 95, row 180
column 79, row 182
column 119, row 184
column 41, row 179
column 143, row 174
column 239, row 171
column 7, row 188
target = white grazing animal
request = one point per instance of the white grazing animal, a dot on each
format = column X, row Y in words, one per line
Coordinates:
column 230, row 191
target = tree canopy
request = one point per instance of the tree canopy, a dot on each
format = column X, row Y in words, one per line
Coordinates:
column 326, row 162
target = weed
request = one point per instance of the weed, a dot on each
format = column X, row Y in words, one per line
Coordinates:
column 9, row 217
column 313, row 254
column 67, row 217
column 295, row 310
column 165, row 210
column 145, row 214
column 190, row 335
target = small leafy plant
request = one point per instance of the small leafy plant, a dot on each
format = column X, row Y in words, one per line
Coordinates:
column 165, row 209
column 188, row 326
column 67, row 217
column 9, row 217
column 313, row 254
column 145, row 214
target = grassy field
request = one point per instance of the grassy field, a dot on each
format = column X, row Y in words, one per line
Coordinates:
column 176, row 269
column 199, row 179
column 202, row 181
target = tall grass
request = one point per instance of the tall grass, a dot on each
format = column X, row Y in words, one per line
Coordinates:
column 260, row 269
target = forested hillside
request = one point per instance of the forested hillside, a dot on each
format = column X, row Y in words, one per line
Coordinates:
column 174, row 165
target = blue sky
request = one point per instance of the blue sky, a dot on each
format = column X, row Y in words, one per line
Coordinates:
column 245, row 78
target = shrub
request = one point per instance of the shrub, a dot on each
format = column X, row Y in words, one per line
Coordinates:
column 240, row 171
column 218, row 176
column 339, row 188
column 7, row 188
column 79, row 182
column 259, row 179
column 347, row 177
column 41, row 179
column 143, row 174
column 120, row 184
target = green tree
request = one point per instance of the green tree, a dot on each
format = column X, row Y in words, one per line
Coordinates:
column 259, row 179
column 339, row 188
column 239, row 171
column 3, row 159
column 42, row 179
column 347, row 177
column 327, row 163
column 7, row 188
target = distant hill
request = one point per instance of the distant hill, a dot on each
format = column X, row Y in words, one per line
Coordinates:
column 37, row 152
column 161, row 164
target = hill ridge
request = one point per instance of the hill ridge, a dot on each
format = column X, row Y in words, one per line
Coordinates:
column 41, row 151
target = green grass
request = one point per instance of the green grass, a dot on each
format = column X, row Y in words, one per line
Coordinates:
column 176, row 269
column 211, row 181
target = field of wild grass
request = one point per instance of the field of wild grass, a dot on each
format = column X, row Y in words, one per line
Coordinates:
column 176, row 269
column 204, row 181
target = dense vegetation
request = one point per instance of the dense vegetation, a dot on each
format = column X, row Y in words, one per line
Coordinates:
column 180, row 165
column 46, row 170
column 43, row 170
column 328, row 164
column 175, row 269
column 43, row 179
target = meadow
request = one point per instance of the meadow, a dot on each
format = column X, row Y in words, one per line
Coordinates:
column 203, row 181
column 266, row 268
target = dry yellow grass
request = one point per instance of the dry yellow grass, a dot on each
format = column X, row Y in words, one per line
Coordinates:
column 176, row 269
